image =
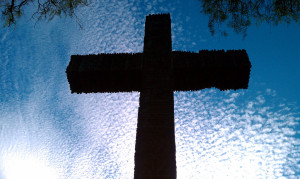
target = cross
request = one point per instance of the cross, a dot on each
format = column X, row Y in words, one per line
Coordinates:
column 156, row 74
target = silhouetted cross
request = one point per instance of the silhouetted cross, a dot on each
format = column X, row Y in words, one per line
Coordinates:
column 156, row 73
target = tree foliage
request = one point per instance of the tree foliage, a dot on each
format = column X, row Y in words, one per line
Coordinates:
column 239, row 14
column 44, row 9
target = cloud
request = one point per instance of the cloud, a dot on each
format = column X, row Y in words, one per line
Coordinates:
column 270, row 92
column 240, row 139
column 219, row 134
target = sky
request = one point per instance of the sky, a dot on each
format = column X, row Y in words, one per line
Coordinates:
column 47, row 132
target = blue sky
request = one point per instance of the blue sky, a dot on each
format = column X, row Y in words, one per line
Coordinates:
column 45, row 131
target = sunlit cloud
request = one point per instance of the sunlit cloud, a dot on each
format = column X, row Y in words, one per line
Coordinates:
column 109, row 129
column 46, row 132
column 27, row 166
column 245, row 139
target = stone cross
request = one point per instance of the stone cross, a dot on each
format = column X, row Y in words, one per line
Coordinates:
column 156, row 74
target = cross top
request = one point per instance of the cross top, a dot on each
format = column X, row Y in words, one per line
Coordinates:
column 156, row 74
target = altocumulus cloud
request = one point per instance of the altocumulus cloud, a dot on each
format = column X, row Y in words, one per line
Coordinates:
column 46, row 129
column 116, row 26
column 229, row 135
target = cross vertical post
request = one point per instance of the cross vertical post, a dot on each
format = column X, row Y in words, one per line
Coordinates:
column 155, row 138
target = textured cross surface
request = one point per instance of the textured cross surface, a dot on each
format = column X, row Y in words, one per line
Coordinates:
column 156, row 74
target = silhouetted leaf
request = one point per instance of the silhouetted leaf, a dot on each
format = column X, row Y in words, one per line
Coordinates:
column 238, row 14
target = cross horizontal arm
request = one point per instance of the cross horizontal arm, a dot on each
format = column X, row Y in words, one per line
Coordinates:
column 206, row 69
column 105, row 73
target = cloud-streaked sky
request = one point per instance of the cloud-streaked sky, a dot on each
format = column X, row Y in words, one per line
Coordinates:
column 47, row 132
